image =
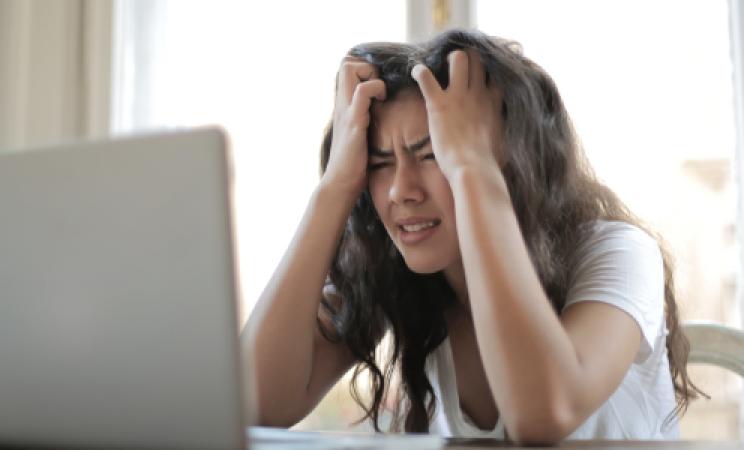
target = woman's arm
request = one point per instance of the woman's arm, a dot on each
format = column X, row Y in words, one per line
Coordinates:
column 295, row 365
column 547, row 374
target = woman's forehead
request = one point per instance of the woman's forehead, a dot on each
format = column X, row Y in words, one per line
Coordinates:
column 401, row 119
column 403, row 99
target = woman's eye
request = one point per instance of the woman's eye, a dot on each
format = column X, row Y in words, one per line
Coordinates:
column 428, row 156
column 373, row 167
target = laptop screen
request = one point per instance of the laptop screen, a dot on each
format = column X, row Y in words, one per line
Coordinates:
column 118, row 294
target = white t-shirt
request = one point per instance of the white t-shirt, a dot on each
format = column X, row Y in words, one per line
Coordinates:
column 622, row 266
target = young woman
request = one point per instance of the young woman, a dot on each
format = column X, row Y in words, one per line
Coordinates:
column 456, row 211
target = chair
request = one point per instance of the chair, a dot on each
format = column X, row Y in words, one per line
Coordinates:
column 717, row 344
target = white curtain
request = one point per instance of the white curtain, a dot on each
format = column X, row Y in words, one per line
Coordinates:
column 139, row 36
column 55, row 60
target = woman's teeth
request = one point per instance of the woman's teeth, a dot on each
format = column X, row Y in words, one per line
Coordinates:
column 418, row 227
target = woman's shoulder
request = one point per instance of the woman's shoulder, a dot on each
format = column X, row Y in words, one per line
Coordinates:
column 616, row 247
column 621, row 265
column 618, row 237
column 603, row 229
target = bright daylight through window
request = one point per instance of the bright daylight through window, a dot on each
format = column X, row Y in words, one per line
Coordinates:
column 648, row 85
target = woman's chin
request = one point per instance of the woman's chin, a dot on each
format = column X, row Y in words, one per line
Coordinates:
column 423, row 266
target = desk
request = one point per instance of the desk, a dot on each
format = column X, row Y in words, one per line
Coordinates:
column 472, row 444
column 265, row 438
column 487, row 444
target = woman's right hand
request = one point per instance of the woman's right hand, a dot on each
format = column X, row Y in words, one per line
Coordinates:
column 358, row 84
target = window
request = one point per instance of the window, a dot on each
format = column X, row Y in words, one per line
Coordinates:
column 648, row 85
column 267, row 74
column 264, row 72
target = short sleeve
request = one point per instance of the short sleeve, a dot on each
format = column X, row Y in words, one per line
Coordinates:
column 622, row 266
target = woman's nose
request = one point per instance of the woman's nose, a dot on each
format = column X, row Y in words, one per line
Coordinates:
column 407, row 185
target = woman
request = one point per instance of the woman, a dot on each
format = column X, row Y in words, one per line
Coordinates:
column 456, row 212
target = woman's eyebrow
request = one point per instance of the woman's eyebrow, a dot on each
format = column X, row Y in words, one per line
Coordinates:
column 375, row 151
column 413, row 148
column 417, row 146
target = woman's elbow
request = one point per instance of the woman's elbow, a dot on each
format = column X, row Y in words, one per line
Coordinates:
column 543, row 428
column 276, row 419
column 531, row 436
column 274, row 411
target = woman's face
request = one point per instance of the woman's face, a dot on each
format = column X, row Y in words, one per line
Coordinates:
column 410, row 193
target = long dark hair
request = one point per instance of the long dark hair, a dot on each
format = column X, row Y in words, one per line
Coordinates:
column 555, row 195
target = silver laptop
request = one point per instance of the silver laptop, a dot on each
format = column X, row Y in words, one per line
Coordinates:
column 118, row 295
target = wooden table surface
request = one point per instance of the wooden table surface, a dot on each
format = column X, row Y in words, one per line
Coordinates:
column 471, row 444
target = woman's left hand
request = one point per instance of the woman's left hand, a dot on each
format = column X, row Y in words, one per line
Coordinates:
column 465, row 119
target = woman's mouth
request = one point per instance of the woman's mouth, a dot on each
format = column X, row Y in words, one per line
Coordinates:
column 417, row 227
column 415, row 233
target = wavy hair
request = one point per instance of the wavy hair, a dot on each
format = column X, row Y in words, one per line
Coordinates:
column 556, row 198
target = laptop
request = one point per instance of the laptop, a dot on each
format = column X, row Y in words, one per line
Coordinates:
column 119, row 295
